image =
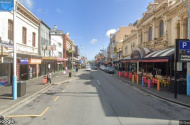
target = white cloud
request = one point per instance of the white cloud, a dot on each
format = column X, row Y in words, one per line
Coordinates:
column 112, row 31
column 59, row 10
column 93, row 41
column 27, row 3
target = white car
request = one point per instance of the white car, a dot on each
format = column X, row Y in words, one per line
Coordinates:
column 88, row 68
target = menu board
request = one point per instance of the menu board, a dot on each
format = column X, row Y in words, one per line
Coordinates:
column 18, row 72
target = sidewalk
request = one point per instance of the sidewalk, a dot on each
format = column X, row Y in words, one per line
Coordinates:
column 164, row 92
column 33, row 88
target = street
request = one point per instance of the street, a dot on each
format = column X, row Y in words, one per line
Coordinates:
column 97, row 98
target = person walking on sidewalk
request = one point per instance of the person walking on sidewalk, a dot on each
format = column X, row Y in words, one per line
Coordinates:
column 49, row 77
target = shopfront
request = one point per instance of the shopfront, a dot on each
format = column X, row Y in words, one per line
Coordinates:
column 6, row 71
column 29, row 68
column 48, row 64
column 60, row 62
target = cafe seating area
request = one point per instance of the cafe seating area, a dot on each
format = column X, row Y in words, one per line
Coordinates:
column 146, row 78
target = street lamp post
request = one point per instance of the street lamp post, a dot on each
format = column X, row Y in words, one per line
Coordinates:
column 14, row 88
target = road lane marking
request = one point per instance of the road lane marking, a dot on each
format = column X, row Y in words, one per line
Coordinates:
column 56, row 98
column 44, row 111
column 67, row 86
column 16, row 116
column 98, row 82
column 63, row 90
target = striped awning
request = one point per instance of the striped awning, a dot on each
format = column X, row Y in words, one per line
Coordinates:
column 161, row 53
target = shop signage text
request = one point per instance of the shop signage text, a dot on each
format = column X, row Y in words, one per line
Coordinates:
column 23, row 61
column 62, row 59
column 35, row 61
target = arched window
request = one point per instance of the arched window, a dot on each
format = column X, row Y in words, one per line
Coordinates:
column 126, row 50
column 186, row 28
column 162, row 28
column 141, row 36
column 178, row 31
column 150, row 34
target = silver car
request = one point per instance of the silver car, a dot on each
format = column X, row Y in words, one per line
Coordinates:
column 88, row 68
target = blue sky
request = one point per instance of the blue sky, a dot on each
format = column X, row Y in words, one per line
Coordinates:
column 87, row 21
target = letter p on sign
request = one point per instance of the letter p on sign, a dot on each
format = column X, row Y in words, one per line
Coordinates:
column 184, row 45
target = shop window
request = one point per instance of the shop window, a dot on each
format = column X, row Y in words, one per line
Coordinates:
column 33, row 39
column 150, row 34
column 24, row 35
column 162, row 28
column 126, row 50
column 10, row 29
column 178, row 31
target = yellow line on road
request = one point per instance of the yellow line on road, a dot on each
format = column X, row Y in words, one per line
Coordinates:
column 56, row 98
column 63, row 90
column 15, row 116
column 67, row 86
column 44, row 111
column 140, row 91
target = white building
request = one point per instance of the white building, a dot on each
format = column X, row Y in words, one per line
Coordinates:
column 57, row 40
column 26, row 38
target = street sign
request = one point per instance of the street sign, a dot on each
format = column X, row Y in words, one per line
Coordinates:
column 183, row 51
column 6, row 5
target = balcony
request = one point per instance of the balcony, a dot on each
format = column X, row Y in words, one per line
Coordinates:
column 22, row 48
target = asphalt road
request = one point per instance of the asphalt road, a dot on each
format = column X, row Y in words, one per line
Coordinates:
column 97, row 98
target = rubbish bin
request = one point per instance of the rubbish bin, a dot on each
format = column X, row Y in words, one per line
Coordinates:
column 21, row 88
column 181, row 86
column 70, row 74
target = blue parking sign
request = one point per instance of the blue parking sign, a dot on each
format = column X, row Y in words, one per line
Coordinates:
column 6, row 5
column 184, row 45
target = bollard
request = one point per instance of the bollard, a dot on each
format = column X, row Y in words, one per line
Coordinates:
column 158, row 85
column 148, row 83
column 137, row 79
column 119, row 74
column 133, row 78
column 142, row 81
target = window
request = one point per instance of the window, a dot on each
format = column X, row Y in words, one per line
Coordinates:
column 24, row 33
column 150, row 34
column 178, row 31
column 10, row 29
column 33, row 39
column 162, row 28
column 141, row 37
column 126, row 50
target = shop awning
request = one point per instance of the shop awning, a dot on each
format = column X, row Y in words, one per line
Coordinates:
column 160, row 55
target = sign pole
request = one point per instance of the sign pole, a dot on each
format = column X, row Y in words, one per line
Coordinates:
column 188, row 63
column 14, row 53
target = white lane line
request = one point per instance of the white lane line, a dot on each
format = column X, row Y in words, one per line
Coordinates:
column 98, row 82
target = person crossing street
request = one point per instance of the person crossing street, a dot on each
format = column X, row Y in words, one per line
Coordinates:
column 49, row 77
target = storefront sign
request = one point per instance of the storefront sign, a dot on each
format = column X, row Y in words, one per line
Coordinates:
column 24, row 61
column 6, row 5
column 62, row 59
column 18, row 72
column 3, row 80
column 49, row 58
column 35, row 61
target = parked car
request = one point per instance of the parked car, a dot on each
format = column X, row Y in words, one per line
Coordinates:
column 95, row 67
column 88, row 68
column 102, row 67
column 111, row 70
column 107, row 69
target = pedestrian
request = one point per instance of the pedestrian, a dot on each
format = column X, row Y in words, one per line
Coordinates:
column 66, row 68
column 49, row 77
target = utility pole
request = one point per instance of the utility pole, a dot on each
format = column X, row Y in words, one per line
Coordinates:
column 14, row 53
